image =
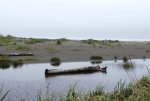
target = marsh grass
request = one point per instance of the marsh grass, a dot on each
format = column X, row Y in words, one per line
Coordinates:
column 136, row 91
column 147, row 51
column 36, row 40
column 29, row 41
column 30, row 59
column 7, row 40
column 23, row 48
column 52, row 50
column 6, row 63
column 2, row 97
column 16, row 64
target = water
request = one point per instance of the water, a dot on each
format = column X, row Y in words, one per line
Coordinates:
column 27, row 81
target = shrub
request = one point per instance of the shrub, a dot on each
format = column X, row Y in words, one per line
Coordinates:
column 59, row 42
column 125, row 59
column 113, row 41
column 91, row 41
column 115, row 57
column 96, row 58
column 64, row 39
column 55, row 61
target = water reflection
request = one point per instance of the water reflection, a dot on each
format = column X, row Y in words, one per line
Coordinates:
column 6, row 64
column 55, row 64
column 96, row 62
column 127, row 65
column 26, row 81
column 16, row 64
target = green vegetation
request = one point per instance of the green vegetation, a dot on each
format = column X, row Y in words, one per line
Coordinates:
column 23, row 48
column 144, row 57
column 103, row 42
column 7, row 40
column 29, row 41
column 147, row 51
column 96, row 57
column 113, row 41
column 125, row 59
column 16, row 64
column 89, row 41
column 52, row 50
column 138, row 91
column 6, row 63
column 75, row 49
column 128, row 65
column 64, row 39
column 28, row 59
column 55, row 61
column 115, row 57
column 36, row 40
column 59, row 42
column 2, row 97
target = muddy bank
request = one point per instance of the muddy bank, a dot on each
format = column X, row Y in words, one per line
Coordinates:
column 69, row 51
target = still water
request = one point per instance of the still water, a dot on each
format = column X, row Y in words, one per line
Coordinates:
column 27, row 81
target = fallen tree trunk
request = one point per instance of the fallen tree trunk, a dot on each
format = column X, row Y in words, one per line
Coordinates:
column 17, row 54
column 89, row 69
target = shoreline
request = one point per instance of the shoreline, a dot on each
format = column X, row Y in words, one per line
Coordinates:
column 72, row 50
column 43, row 62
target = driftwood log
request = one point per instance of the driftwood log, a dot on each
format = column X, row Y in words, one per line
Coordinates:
column 17, row 54
column 89, row 69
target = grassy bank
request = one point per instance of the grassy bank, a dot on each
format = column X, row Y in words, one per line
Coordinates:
column 138, row 91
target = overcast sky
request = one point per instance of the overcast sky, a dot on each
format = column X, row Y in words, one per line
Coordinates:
column 75, row 18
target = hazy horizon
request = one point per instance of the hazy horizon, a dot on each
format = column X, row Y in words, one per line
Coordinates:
column 76, row 19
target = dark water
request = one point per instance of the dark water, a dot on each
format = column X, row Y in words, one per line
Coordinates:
column 27, row 81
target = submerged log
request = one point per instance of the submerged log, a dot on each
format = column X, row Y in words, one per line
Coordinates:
column 89, row 69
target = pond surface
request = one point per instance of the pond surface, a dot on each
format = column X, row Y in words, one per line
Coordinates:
column 26, row 82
